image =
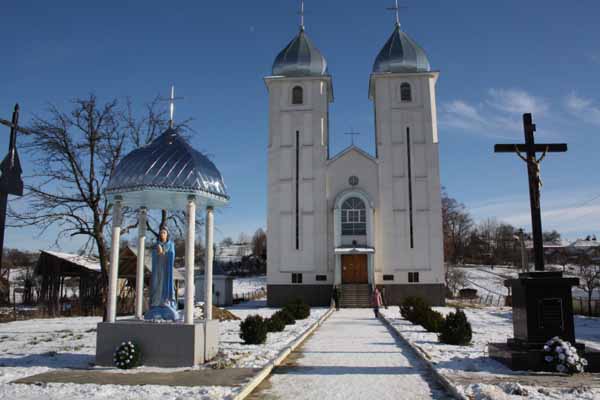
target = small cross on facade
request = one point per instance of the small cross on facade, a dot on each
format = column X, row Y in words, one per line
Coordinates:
column 530, row 148
column 352, row 134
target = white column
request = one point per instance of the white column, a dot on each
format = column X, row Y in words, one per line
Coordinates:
column 371, row 270
column 337, row 274
column 189, row 261
column 114, row 262
column 139, row 281
column 208, row 265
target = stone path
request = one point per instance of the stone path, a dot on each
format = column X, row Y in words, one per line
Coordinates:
column 352, row 356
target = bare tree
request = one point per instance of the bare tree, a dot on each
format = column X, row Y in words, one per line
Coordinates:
column 228, row 241
column 457, row 226
column 455, row 278
column 243, row 238
column 74, row 155
column 259, row 244
column 589, row 274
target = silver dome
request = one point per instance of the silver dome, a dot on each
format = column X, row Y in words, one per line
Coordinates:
column 169, row 164
column 300, row 58
column 401, row 54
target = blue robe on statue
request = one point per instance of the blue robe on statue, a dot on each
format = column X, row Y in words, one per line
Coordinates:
column 162, row 289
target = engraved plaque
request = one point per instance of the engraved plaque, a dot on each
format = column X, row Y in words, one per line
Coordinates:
column 551, row 314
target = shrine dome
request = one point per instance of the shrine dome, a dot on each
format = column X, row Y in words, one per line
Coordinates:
column 164, row 174
column 300, row 58
column 401, row 54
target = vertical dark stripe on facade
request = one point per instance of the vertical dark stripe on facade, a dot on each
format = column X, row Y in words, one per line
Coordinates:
column 410, row 195
column 297, row 190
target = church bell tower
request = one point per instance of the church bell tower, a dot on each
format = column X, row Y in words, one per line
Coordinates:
column 402, row 88
column 300, row 91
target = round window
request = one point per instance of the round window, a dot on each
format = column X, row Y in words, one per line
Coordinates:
column 353, row 180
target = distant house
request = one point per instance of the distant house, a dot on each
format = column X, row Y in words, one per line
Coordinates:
column 569, row 250
column 57, row 269
column 232, row 253
column 222, row 286
column 60, row 272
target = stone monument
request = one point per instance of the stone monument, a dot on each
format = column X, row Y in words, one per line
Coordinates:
column 541, row 300
column 166, row 174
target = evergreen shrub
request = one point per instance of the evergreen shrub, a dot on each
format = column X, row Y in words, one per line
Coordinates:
column 414, row 309
column 275, row 323
column 253, row 330
column 456, row 329
column 286, row 316
column 298, row 308
column 432, row 321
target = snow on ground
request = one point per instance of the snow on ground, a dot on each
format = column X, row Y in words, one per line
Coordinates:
column 490, row 281
column 352, row 356
column 41, row 345
column 489, row 324
column 249, row 284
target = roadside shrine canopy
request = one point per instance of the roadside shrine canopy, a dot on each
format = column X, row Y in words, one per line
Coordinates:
column 165, row 174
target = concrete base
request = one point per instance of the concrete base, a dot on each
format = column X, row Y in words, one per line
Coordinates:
column 313, row 295
column 433, row 293
column 162, row 344
column 320, row 295
column 532, row 359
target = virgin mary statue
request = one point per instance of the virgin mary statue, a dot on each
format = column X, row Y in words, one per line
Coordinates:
column 162, row 290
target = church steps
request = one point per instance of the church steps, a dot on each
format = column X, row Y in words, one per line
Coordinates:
column 355, row 296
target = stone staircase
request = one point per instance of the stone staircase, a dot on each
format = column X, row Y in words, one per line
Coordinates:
column 355, row 296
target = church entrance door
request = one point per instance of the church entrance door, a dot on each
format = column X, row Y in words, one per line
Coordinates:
column 354, row 268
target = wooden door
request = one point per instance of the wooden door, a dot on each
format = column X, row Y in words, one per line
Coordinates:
column 354, row 268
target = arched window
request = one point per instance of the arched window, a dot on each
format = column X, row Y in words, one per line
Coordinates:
column 354, row 217
column 297, row 95
column 405, row 93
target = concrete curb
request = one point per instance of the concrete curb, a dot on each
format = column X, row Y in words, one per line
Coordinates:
column 266, row 370
column 446, row 383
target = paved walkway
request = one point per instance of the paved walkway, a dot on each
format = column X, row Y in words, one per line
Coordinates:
column 352, row 356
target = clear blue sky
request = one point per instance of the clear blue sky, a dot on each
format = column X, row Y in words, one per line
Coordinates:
column 497, row 60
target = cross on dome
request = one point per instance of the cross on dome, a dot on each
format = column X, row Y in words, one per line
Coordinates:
column 301, row 13
column 396, row 9
column 171, row 101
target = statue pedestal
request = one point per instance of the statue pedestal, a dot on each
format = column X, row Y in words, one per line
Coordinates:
column 162, row 344
column 542, row 308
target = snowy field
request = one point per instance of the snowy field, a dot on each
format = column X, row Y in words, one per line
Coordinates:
column 490, row 281
column 249, row 284
column 36, row 346
column 490, row 324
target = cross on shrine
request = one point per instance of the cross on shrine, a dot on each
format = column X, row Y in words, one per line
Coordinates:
column 171, row 101
column 10, row 169
column 530, row 148
column 352, row 134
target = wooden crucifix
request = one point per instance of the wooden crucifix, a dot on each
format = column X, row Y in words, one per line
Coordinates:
column 10, row 178
column 530, row 148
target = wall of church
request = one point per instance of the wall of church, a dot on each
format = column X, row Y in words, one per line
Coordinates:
column 409, row 217
column 297, row 218
column 402, row 183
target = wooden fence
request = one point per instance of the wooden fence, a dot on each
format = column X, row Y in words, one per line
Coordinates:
column 247, row 296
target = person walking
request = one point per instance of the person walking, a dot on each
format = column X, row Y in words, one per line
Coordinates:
column 376, row 301
column 336, row 297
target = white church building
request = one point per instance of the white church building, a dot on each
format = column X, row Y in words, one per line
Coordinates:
column 351, row 219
